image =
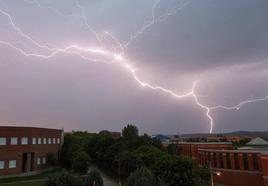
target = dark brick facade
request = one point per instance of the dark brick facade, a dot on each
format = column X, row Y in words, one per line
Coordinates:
column 31, row 156
column 229, row 167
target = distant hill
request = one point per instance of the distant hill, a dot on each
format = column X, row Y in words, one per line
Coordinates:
column 262, row 134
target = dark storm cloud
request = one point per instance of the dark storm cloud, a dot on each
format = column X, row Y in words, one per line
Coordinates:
column 221, row 43
column 208, row 34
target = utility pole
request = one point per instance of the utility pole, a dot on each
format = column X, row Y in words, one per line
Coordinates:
column 211, row 174
column 119, row 173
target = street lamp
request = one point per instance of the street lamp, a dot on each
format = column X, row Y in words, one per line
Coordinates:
column 119, row 171
column 212, row 173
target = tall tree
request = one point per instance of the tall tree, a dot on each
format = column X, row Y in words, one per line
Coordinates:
column 93, row 179
column 130, row 132
column 142, row 177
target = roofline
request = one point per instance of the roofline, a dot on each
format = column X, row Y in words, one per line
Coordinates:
column 236, row 151
column 206, row 143
column 31, row 127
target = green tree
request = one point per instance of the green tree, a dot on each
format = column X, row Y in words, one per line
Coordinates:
column 80, row 162
column 73, row 143
column 62, row 178
column 93, row 179
column 175, row 170
column 205, row 175
column 130, row 132
column 51, row 159
column 129, row 162
column 142, row 177
column 171, row 149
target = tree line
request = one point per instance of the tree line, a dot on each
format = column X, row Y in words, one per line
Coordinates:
column 136, row 159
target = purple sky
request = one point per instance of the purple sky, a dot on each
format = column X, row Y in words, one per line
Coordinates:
column 222, row 44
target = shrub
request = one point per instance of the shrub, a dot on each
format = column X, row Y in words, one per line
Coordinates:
column 63, row 178
column 93, row 177
column 141, row 177
column 51, row 159
column 80, row 162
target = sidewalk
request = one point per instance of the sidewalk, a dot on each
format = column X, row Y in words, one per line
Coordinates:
column 107, row 180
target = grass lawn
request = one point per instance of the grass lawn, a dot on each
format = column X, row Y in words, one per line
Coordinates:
column 23, row 181
column 32, row 183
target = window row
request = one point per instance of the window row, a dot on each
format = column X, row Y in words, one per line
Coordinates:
column 11, row 164
column 39, row 160
column 24, row 141
column 45, row 141
column 242, row 164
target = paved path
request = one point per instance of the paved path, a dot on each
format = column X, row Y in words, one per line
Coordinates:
column 107, row 180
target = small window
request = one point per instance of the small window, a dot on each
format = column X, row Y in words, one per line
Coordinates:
column 44, row 140
column 3, row 141
column 58, row 140
column 44, row 160
column 215, row 159
column 245, row 161
column 221, row 160
column 39, row 141
column 54, row 140
column 228, row 158
column 2, row 165
column 255, row 162
column 24, row 140
column 38, row 161
column 236, row 161
column 12, row 164
column 34, row 141
column 49, row 140
column 13, row 140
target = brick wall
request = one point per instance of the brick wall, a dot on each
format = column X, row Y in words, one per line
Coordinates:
column 15, row 152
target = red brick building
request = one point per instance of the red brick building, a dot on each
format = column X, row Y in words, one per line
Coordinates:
column 191, row 149
column 25, row 149
column 244, row 167
column 236, row 167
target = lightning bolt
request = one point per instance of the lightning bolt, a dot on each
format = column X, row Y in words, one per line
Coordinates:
column 113, row 56
column 241, row 104
column 148, row 24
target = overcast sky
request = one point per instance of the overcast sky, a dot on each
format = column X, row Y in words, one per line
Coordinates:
column 222, row 44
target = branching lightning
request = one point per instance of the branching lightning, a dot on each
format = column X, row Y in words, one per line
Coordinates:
column 115, row 55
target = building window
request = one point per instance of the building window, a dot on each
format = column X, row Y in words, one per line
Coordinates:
column 12, row 164
column 215, row 159
column 38, row 161
column 34, row 141
column 255, row 162
column 49, row 140
column 44, row 160
column 54, row 140
column 221, row 160
column 245, row 160
column 44, row 140
column 39, row 141
column 58, row 140
column 13, row 140
column 24, row 140
column 2, row 165
column 3, row 141
column 228, row 159
column 209, row 158
column 236, row 161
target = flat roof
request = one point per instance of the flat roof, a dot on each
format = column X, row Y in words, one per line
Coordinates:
column 206, row 143
column 263, row 151
column 29, row 127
